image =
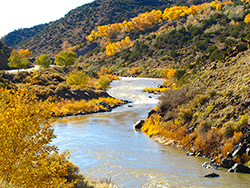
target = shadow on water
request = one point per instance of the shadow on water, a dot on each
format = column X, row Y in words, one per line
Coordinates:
column 105, row 145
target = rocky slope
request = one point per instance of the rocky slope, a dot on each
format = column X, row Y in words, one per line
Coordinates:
column 78, row 23
column 210, row 115
column 4, row 55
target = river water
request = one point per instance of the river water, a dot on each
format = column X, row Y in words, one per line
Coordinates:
column 106, row 146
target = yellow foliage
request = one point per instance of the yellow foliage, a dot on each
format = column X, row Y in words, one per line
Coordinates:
column 24, row 52
column 247, row 18
column 26, row 134
column 66, row 106
column 156, row 90
column 135, row 71
column 77, row 79
column 228, row 147
column 113, row 48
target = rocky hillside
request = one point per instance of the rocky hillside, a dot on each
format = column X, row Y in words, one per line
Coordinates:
column 4, row 55
column 210, row 115
column 78, row 23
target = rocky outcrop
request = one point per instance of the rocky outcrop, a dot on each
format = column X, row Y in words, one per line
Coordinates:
column 239, row 168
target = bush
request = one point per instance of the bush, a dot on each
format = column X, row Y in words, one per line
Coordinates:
column 62, row 87
column 77, row 79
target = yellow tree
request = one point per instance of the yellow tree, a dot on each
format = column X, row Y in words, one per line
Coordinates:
column 19, row 59
column 25, row 136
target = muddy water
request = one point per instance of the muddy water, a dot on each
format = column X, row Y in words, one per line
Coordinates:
column 106, row 146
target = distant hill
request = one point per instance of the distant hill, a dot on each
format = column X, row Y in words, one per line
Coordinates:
column 78, row 23
column 4, row 55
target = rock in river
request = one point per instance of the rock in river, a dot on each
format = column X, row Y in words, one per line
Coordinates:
column 138, row 124
column 212, row 175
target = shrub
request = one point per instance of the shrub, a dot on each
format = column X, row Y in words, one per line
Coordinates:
column 62, row 87
column 65, row 58
column 77, row 79
column 103, row 83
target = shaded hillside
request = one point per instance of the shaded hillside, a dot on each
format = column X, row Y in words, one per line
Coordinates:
column 78, row 23
column 17, row 36
column 4, row 55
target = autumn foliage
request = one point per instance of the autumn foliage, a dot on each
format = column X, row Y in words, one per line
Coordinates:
column 25, row 139
column 19, row 59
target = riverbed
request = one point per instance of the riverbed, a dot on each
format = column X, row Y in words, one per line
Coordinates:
column 105, row 146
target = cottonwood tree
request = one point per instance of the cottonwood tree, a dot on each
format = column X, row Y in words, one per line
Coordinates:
column 43, row 61
column 25, row 136
column 19, row 59
column 65, row 58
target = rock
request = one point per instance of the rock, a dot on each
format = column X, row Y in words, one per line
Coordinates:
column 138, row 124
column 130, row 105
column 212, row 175
column 240, row 48
column 227, row 163
column 239, row 150
column 198, row 154
column 210, row 165
column 190, row 154
column 151, row 112
column 102, row 103
column 239, row 168
column 81, row 113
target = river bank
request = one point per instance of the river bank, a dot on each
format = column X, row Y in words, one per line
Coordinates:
column 95, row 141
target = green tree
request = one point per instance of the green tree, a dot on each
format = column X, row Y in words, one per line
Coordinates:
column 77, row 79
column 66, row 58
column 19, row 59
column 43, row 61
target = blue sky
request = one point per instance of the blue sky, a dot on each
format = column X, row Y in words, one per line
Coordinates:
column 17, row 14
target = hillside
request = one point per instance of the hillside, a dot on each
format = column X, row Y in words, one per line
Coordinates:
column 4, row 55
column 78, row 23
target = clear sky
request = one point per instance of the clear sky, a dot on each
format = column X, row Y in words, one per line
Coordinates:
column 17, row 14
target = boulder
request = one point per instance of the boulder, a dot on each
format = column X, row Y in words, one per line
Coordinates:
column 227, row 163
column 151, row 112
column 212, row 175
column 241, row 148
column 191, row 154
column 240, row 48
column 210, row 165
column 138, row 124
column 239, row 168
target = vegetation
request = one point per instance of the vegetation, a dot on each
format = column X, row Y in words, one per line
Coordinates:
column 201, row 50
column 19, row 59
column 26, row 134
column 43, row 61
column 65, row 58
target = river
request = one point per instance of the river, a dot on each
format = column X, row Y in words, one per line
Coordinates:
column 106, row 146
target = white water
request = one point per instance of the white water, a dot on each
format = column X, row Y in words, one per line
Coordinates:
column 105, row 145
